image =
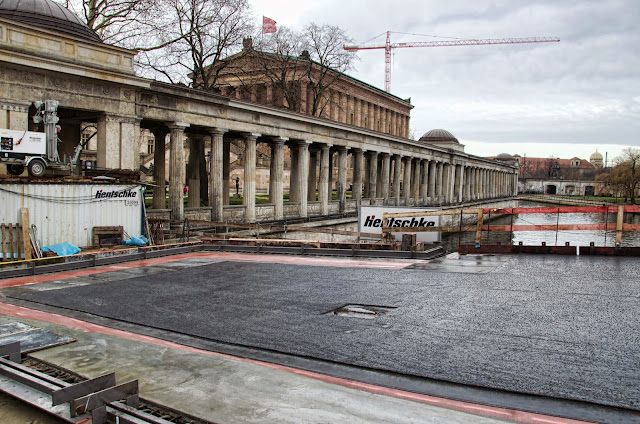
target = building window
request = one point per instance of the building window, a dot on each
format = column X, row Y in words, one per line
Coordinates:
column 151, row 142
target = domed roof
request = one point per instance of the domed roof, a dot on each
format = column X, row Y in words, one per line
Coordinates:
column 438, row 135
column 48, row 15
column 595, row 156
column 504, row 157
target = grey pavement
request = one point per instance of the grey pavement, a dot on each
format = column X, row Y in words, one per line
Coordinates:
column 223, row 390
column 563, row 327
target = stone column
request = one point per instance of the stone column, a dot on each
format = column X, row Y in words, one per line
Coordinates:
column 451, row 183
column 303, row 175
column 415, row 186
column 293, row 174
column 323, row 187
column 303, row 97
column 193, row 179
column 226, row 166
column 216, row 178
column 313, row 171
column 431, row 190
column 249, row 184
column 342, row 178
column 406, row 182
column 468, row 183
column 108, row 142
column 386, row 173
column 440, row 182
column 373, row 175
column 276, row 190
column 176, row 170
column 159, row 177
column 397, row 168
column 379, row 176
column 358, row 158
column 331, row 166
column 461, row 184
column 424, row 187
column 367, row 170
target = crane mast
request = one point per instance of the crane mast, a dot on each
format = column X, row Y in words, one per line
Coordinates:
column 444, row 43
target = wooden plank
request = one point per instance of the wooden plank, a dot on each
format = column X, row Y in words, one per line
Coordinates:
column 619, row 225
column 479, row 226
column 4, row 243
column 11, row 231
column 19, row 245
column 26, row 238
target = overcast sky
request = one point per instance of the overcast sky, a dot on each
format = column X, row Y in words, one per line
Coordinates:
column 563, row 99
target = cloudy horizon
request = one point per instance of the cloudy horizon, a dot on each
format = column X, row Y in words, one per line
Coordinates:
column 543, row 99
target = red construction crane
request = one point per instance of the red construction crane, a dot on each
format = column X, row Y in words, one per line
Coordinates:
column 474, row 42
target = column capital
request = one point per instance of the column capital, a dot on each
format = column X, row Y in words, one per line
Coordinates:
column 217, row 131
column 385, row 155
column 278, row 139
column 251, row 136
column 177, row 125
column 304, row 142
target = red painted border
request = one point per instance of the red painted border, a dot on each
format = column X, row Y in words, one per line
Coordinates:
column 466, row 407
column 243, row 257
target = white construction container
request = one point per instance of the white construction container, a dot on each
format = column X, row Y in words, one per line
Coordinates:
column 69, row 211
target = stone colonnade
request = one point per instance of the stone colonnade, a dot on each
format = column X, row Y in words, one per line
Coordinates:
column 376, row 178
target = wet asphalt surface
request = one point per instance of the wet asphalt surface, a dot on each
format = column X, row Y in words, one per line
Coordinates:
column 565, row 327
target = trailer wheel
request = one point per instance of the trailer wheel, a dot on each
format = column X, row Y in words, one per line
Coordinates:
column 37, row 167
column 15, row 169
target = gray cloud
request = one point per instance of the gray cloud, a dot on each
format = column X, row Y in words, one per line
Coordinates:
column 584, row 89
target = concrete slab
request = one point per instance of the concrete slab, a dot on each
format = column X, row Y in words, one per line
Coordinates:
column 229, row 390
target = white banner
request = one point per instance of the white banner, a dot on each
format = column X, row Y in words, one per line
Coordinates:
column 370, row 221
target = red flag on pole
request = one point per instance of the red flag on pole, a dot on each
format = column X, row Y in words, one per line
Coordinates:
column 268, row 25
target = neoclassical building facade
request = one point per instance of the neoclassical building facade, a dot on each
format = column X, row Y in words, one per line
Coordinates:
column 96, row 83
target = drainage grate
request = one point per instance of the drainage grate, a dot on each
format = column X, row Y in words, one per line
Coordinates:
column 361, row 311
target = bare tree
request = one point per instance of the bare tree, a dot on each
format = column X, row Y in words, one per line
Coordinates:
column 326, row 50
column 276, row 59
column 625, row 175
column 177, row 40
column 116, row 22
column 290, row 62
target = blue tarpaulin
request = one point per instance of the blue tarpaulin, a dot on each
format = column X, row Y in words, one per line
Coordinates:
column 136, row 241
column 62, row 249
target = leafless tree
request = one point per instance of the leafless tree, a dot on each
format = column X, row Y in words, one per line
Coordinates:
column 116, row 22
column 287, row 60
column 204, row 32
column 625, row 175
column 326, row 49
column 177, row 40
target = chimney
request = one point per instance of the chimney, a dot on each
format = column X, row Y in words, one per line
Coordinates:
column 247, row 43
